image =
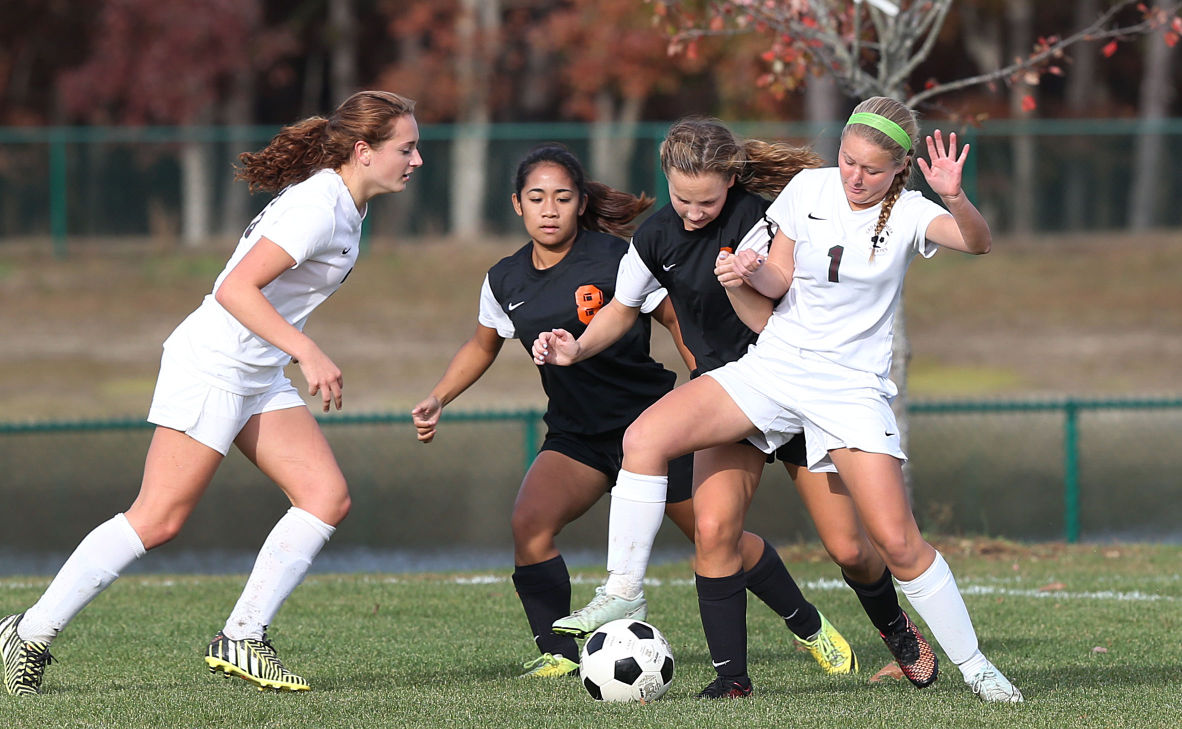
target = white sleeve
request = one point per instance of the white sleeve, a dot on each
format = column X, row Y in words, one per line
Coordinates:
column 781, row 212
column 653, row 300
column 926, row 213
column 492, row 315
column 634, row 281
column 300, row 230
column 759, row 238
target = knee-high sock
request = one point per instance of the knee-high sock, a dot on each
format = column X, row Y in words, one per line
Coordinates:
column 770, row 581
column 95, row 564
column 544, row 591
column 880, row 602
column 281, row 565
column 638, row 506
column 936, row 598
column 723, row 604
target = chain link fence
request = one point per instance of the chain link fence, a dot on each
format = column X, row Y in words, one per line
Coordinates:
column 1061, row 470
column 62, row 186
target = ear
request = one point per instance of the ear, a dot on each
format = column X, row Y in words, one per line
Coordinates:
column 517, row 205
column 583, row 205
column 731, row 182
column 362, row 152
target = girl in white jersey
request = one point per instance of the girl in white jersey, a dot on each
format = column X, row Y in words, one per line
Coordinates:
column 821, row 363
column 222, row 383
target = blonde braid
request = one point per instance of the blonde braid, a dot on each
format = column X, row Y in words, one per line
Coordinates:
column 894, row 192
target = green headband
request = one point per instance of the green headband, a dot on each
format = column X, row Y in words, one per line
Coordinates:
column 884, row 125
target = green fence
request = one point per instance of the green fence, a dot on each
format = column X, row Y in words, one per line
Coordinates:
column 1071, row 469
column 61, row 185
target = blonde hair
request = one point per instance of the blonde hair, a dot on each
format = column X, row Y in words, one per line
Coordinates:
column 696, row 145
column 898, row 113
column 318, row 143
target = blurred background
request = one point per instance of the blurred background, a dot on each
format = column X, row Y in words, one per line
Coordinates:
column 1043, row 391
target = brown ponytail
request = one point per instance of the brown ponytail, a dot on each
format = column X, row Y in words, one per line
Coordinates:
column 317, row 143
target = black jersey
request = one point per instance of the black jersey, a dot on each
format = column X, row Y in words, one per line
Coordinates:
column 607, row 391
column 683, row 262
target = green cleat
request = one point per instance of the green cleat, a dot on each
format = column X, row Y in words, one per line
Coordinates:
column 549, row 666
column 252, row 660
column 831, row 651
column 24, row 660
column 602, row 609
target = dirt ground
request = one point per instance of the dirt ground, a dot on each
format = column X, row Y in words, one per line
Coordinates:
column 1047, row 316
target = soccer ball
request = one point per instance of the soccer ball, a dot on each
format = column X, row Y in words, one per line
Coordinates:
column 626, row 660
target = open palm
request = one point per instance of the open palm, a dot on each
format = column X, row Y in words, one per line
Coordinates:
column 944, row 171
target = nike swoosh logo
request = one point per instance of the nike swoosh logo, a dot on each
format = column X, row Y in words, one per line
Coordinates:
column 669, row 267
column 514, row 306
column 720, row 664
column 814, row 217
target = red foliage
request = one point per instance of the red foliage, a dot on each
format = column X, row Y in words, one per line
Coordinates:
column 166, row 62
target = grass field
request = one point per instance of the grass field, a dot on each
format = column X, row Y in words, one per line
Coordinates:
column 1052, row 315
column 1090, row 634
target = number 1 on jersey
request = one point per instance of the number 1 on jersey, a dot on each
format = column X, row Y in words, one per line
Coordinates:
column 834, row 262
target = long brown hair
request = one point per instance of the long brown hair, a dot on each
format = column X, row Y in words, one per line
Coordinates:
column 695, row 145
column 318, row 143
column 898, row 113
column 608, row 210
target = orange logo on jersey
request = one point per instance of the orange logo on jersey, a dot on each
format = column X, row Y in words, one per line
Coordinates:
column 589, row 299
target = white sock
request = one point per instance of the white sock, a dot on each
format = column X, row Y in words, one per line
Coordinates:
column 637, row 509
column 95, row 564
column 936, row 598
column 280, row 567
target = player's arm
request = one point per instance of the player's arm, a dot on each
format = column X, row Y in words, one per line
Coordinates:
column 241, row 294
column 753, row 308
column 965, row 228
column 467, row 366
column 610, row 323
column 665, row 314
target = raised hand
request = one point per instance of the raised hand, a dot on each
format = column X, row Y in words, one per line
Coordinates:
column 944, row 171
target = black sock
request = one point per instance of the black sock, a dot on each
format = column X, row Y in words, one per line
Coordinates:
column 544, row 590
column 880, row 601
column 723, row 604
column 770, row 581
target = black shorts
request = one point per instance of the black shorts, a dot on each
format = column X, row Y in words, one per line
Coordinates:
column 792, row 452
column 605, row 453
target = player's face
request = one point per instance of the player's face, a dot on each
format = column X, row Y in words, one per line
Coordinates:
column 698, row 199
column 867, row 171
column 393, row 160
column 550, row 206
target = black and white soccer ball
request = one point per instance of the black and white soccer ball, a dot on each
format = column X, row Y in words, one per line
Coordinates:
column 626, row 660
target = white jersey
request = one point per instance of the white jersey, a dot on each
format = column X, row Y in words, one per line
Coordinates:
column 317, row 223
column 842, row 301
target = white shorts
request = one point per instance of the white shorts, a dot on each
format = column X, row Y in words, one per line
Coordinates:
column 797, row 391
column 209, row 415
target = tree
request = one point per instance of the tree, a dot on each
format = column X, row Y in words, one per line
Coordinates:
column 170, row 63
column 874, row 48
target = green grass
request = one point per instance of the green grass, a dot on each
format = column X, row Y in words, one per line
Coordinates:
column 1090, row 634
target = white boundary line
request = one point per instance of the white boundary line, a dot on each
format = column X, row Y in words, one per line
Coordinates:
column 967, row 587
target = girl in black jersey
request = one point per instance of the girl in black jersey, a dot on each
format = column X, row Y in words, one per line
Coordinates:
column 562, row 278
column 716, row 185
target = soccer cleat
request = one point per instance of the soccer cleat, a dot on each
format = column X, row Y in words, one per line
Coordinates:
column 831, row 651
column 727, row 688
column 252, row 660
column 549, row 666
column 602, row 609
column 990, row 685
column 915, row 657
column 24, row 660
